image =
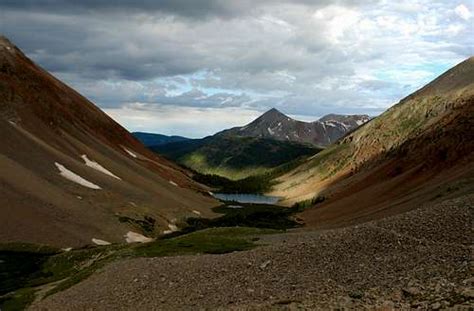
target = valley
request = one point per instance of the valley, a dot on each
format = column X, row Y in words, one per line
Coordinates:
column 344, row 212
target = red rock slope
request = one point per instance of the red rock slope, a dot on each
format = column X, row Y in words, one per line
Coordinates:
column 47, row 127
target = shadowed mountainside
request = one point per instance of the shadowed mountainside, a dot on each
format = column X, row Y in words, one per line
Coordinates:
column 150, row 139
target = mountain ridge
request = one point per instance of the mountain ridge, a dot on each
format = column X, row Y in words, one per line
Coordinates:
column 151, row 139
column 273, row 124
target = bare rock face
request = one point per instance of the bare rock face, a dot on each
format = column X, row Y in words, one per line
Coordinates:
column 275, row 125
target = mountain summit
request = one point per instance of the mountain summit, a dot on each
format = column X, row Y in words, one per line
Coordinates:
column 275, row 125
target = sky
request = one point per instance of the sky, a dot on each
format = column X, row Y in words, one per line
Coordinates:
column 195, row 67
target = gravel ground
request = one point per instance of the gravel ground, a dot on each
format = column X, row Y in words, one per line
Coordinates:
column 422, row 259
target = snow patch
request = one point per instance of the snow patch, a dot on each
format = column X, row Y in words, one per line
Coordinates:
column 360, row 122
column 68, row 249
column 98, row 167
column 270, row 131
column 133, row 237
column 173, row 227
column 173, row 183
column 130, row 153
column 100, row 242
column 69, row 175
column 167, row 232
column 196, row 212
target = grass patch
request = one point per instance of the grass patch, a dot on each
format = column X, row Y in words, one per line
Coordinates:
column 302, row 205
column 208, row 241
column 250, row 215
column 18, row 300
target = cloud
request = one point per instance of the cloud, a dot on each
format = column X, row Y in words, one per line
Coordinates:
column 303, row 57
column 463, row 12
column 188, row 121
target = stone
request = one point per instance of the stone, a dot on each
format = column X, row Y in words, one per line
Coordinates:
column 411, row 291
column 265, row 264
column 468, row 292
column 436, row 306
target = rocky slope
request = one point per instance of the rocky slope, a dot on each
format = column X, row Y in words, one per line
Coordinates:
column 421, row 259
column 418, row 150
column 275, row 125
column 68, row 172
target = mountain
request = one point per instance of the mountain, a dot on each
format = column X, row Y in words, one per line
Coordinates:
column 70, row 174
column 234, row 157
column 420, row 150
column 275, row 125
column 269, row 141
column 150, row 139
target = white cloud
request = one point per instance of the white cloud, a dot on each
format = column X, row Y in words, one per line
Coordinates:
column 463, row 12
column 191, row 122
column 306, row 58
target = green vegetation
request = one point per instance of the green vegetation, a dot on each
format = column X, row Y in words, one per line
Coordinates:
column 257, row 184
column 302, row 205
column 250, row 215
column 252, row 184
column 208, row 241
column 234, row 157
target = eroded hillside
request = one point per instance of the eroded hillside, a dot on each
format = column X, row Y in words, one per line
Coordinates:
column 412, row 151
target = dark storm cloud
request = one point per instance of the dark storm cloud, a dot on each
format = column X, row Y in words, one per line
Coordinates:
column 186, row 8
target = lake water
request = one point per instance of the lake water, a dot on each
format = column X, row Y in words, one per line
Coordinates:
column 246, row 198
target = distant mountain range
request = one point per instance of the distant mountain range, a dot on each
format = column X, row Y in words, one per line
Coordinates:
column 269, row 141
column 149, row 139
column 275, row 125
